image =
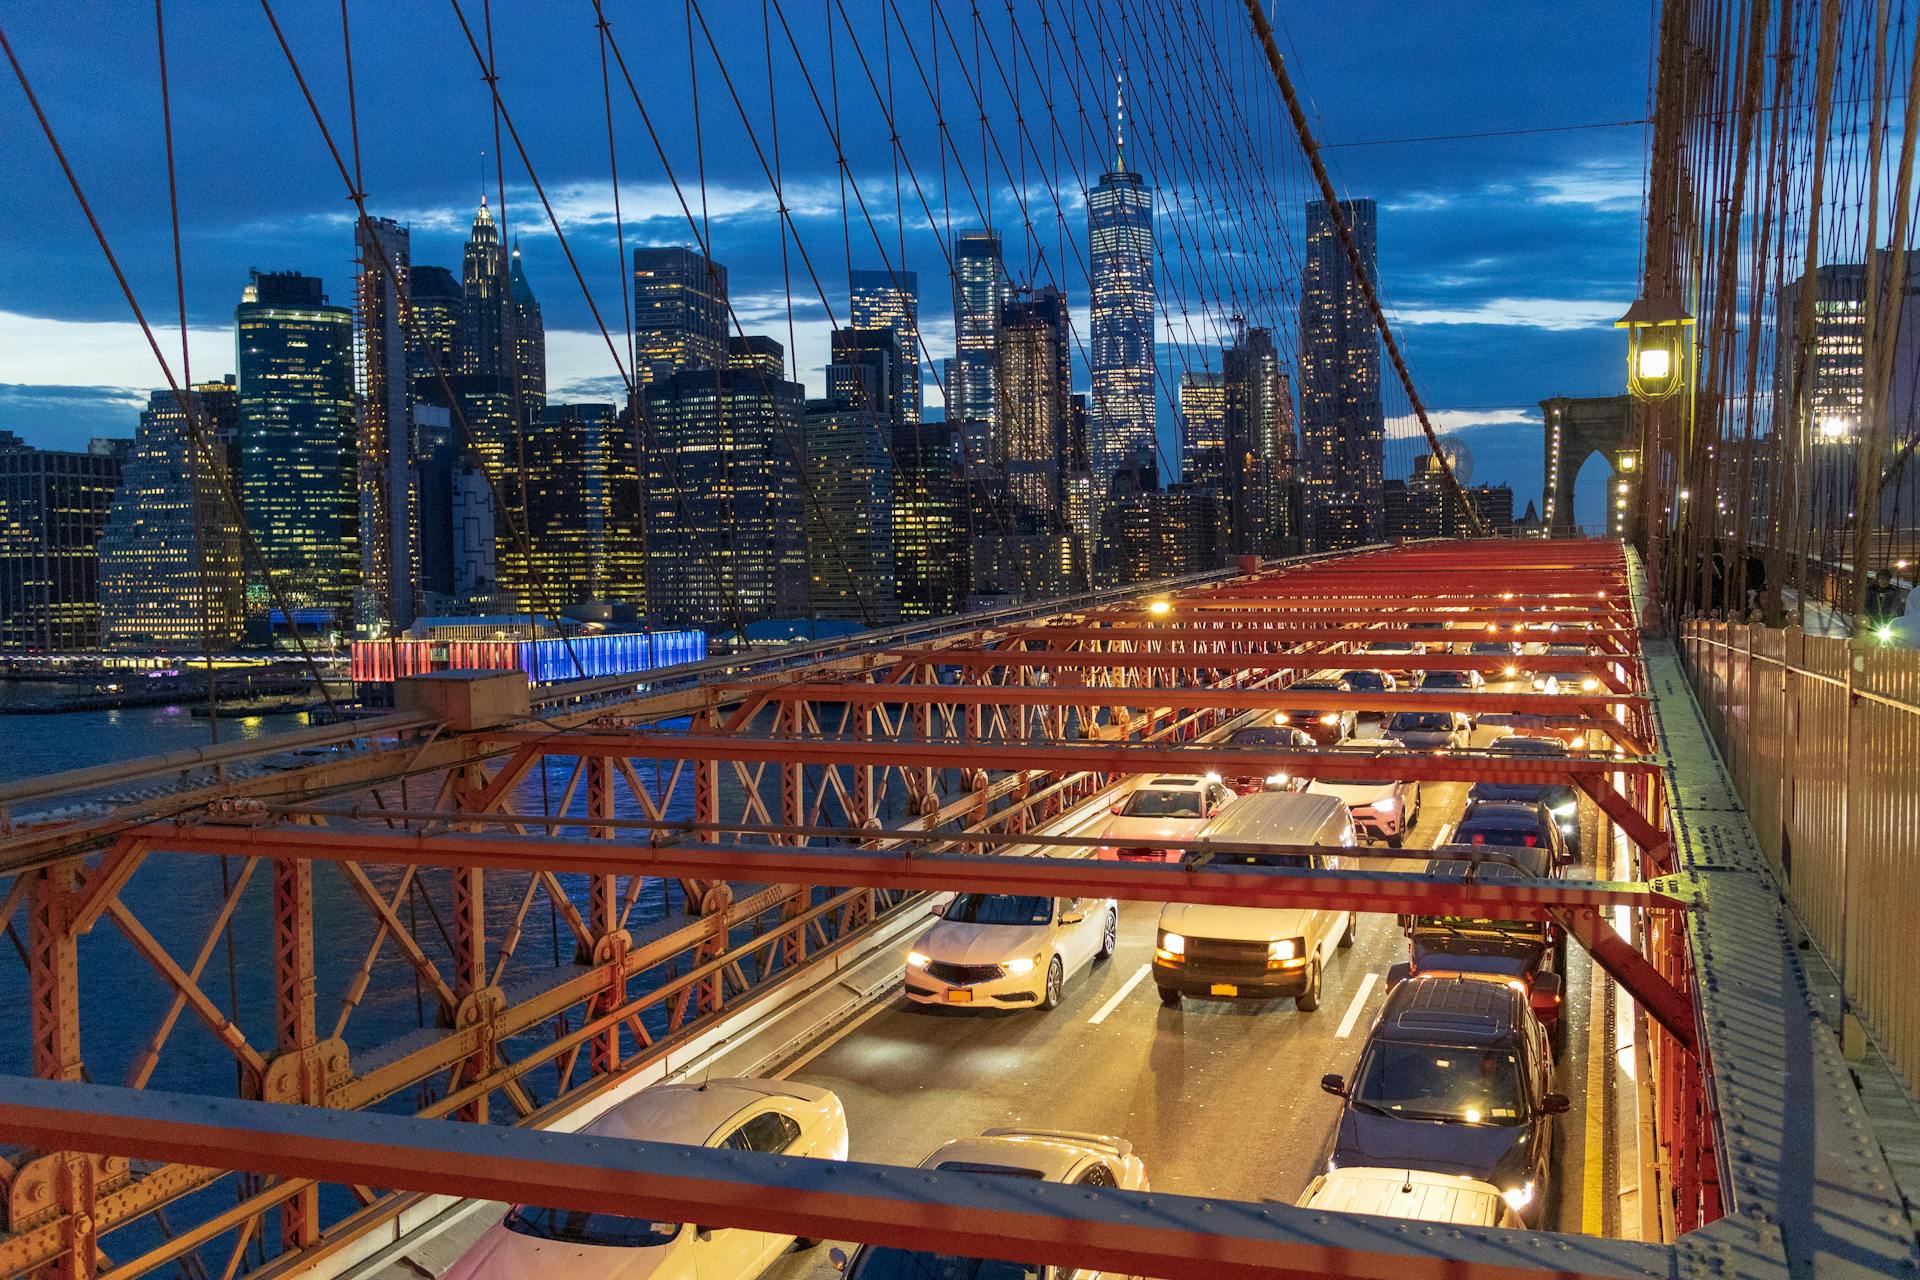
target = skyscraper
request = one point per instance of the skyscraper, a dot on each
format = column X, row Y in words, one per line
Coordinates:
column 849, row 511
column 1120, row 238
column 170, row 555
column 525, row 339
column 438, row 323
column 1257, row 427
column 726, row 524
column 980, row 291
column 1035, row 398
column 931, row 556
column 298, row 448
column 1342, row 429
column 389, row 483
column 583, row 505
column 867, row 372
column 53, row 507
column 891, row 300
column 679, row 312
column 1203, row 427
column 483, row 279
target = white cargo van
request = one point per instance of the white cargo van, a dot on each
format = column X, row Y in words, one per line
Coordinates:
column 1258, row 953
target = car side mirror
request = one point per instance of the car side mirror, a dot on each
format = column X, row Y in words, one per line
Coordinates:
column 1117, row 807
column 1545, row 993
column 702, row 1232
column 1555, row 1104
column 838, row 1259
column 1072, row 917
column 1335, row 1085
column 1398, row 973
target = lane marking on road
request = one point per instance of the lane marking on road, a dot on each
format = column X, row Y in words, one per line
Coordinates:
column 846, row 1029
column 1593, row 1170
column 1113, row 1001
column 1353, row 1010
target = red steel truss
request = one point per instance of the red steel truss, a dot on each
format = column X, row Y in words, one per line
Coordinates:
column 866, row 774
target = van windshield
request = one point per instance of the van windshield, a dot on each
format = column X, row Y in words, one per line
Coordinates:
column 1441, row 1082
column 572, row 1226
column 999, row 908
column 1148, row 803
column 1421, row 721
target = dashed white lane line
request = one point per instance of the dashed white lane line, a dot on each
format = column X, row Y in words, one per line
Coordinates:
column 1113, row 1001
column 1359, row 1003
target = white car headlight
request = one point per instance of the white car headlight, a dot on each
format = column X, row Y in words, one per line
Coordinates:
column 1518, row 1198
column 1566, row 810
column 1276, row 779
column 1282, row 950
column 1020, row 966
column 1330, row 718
column 917, row 960
column 1173, row 944
column 1385, row 804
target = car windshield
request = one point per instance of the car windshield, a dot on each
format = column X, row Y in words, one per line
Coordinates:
column 1149, row 803
column 1446, row 680
column 1366, row 680
column 999, row 908
column 1441, row 1082
column 1421, row 722
column 1260, row 738
column 906, row 1264
column 1493, row 646
column 571, row 1226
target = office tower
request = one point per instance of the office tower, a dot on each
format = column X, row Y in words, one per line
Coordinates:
column 891, row 300
column 433, row 342
column 867, row 372
column 849, row 513
column 583, row 510
column 930, row 552
column 53, row 507
column 1035, row 394
column 1203, row 427
column 299, row 453
column 726, row 522
column 1257, row 427
column 756, row 353
column 980, row 291
column 1342, row 430
column 525, row 339
column 436, row 454
column 1147, row 533
column 679, row 312
column 1120, row 241
column 389, row 485
column 170, row 555
column 1080, row 492
column 483, row 277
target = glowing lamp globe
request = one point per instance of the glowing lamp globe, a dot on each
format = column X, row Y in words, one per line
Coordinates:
column 1657, row 342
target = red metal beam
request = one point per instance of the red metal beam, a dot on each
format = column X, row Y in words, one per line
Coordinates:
column 1181, row 630
column 861, row 692
column 1663, row 1002
column 1390, row 892
column 970, row 1215
column 1598, row 663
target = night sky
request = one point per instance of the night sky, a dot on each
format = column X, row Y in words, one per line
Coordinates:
column 1504, row 258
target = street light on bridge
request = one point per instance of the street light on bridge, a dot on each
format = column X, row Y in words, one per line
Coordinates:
column 1656, row 347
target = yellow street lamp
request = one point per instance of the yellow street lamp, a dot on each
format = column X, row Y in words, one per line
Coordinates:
column 1160, row 608
column 1656, row 347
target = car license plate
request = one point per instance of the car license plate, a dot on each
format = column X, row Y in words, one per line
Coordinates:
column 1224, row 989
column 959, row 997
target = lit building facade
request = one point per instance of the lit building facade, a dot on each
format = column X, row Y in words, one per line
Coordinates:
column 726, row 522
column 679, row 312
column 299, row 453
column 1120, row 241
column 170, row 555
column 980, row 292
column 53, row 508
column 433, row 341
column 483, row 279
column 1203, row 427
column 1342, row 424
column 389, row 478
column 525, row 339
column 1259, row 461
column 1035, row 394
column 891, row 300
column 931, row 556
column 583, row 505
column 867, row 372
column 849, row 512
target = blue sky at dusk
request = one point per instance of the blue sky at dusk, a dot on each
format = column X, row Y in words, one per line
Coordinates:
column 1505, row 259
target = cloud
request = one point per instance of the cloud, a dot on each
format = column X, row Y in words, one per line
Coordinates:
column 40, row 352
column 1610, row 186
column 1445, row 421
column 1556, row 314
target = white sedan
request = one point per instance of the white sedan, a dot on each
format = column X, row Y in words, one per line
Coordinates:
column 776, row 1116
column 1081, row 1159
column 1009, row 951
column 1383, row 808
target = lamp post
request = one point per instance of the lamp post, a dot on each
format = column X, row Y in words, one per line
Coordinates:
column 1659, row 367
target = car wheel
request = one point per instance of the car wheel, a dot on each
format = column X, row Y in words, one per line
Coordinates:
column 1109, row 936
column 1352, row 930
column 1397, row 839
column 1056, row 973
column 1309, row 1000
column 1169, row 997
column 801, row 1244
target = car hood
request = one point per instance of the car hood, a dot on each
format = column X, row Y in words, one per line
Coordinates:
column 1154, row 828
column 1358, row 795
column 956, row 942
column 1233, row 924
column 507, row 1255
column 1489, row 1153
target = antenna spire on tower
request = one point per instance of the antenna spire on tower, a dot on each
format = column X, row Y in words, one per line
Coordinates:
column 1120, row 120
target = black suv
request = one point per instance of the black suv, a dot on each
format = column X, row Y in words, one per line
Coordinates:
column 1513, row 824
column 1456, row 1077
column 1560, row 800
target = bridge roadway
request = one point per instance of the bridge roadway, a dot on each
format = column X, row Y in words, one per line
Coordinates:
column 1219, row 1098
